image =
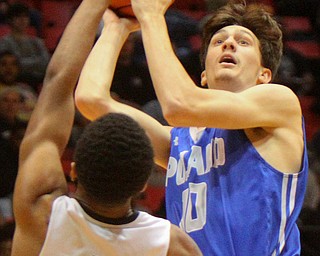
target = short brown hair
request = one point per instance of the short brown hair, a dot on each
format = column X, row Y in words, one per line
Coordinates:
column 254, row 18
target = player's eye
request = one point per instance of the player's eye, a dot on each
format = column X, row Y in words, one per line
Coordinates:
column 243, row 42
column 218, row 42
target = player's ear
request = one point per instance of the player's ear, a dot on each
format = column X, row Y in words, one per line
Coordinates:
column 144, row 188
column 203, row 78
column 265, row 76
column 73, row 172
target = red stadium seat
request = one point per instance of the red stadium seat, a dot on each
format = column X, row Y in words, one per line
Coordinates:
column 55, row 17
column 191, row 5
column 292, row 24
column 51, row 37
column 312, row 121
column 56, row 13
column 308, row 49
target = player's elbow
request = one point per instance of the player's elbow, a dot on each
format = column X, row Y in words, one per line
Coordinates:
column 89, row 106
column 83, row 102
column 174, row 111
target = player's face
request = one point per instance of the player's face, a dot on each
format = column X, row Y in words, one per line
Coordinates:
column 233, row 59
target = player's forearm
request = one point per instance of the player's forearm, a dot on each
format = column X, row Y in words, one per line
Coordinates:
column 93, row 90
column 55, row 104
column 77, row 40
column 172, row 83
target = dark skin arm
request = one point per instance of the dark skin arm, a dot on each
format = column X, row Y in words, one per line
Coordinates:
column 40, row 177
column 181, row 244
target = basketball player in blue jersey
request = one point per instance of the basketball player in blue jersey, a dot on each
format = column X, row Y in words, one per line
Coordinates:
column 236, row 158
column 113, row 161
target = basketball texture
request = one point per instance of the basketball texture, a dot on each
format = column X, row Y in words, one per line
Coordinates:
column 122, row 8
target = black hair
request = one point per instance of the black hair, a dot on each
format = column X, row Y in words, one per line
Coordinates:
column 114, row 159
column 18, row 10
column 10, row 53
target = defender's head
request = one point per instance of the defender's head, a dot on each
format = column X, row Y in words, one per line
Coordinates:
column 113, row 159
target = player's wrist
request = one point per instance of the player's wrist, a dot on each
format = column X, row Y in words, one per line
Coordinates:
column 152, row 20
column 117, row 28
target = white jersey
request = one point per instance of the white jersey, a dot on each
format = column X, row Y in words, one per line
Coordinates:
column 72, row 231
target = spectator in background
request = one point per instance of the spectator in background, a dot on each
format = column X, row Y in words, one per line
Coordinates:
column 4, row 6
column 35, row 19
column 12, row 129
column 11, row 101
column 181, row 28
column 31, row 50
column 35, row 16
column 132, row 81
column 9, row 73
column 294, row 73
column 9, row 155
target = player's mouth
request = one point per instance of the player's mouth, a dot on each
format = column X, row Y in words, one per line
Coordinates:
column 227, row 59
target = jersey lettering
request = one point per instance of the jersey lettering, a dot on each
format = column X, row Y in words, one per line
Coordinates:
column 214, row 156
column 194, row 207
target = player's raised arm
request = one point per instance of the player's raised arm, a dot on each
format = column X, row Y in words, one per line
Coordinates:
column 40, row 178
column 93, row 97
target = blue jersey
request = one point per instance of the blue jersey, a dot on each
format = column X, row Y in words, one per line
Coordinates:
column 228, row 198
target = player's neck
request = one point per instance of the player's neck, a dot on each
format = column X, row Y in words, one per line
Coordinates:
column 106, row 210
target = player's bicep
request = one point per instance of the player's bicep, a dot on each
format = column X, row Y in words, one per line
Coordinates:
column 264, row 105
column 181, row 243
column 259, row 106
column 268, row 106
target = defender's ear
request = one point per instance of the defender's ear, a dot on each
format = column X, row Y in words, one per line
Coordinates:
column 203, row 78
column 265, row 76
column 144, row 188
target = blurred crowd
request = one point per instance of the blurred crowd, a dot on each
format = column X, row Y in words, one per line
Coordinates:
column 25, row 50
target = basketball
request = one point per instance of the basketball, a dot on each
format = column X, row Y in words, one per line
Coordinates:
column 122, row 8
